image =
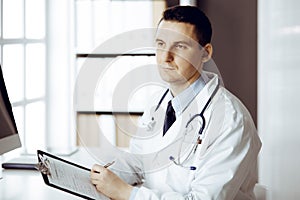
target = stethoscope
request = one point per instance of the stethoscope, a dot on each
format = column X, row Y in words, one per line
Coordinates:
column 200, row 132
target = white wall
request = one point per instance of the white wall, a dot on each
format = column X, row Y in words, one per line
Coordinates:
column 279, row 97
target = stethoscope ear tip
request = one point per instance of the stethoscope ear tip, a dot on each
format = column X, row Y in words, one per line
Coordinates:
column 172, row 158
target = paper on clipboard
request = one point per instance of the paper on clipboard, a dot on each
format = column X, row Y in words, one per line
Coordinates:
column 68, row 177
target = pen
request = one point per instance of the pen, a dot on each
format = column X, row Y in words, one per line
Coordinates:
column 106, row 166
column 109, row 164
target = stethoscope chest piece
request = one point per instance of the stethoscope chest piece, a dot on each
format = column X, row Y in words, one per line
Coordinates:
column 151, row 125
column 155, row 121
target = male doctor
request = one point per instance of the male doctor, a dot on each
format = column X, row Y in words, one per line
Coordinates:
column 199, row 141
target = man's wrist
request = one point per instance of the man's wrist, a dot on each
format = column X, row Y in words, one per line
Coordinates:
column 126, row 194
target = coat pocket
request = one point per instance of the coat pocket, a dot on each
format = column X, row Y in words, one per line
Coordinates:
column 179, row 178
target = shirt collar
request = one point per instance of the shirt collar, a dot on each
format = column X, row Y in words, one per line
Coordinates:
column 183, row 99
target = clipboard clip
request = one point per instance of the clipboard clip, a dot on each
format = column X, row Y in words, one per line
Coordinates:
column 43, row 166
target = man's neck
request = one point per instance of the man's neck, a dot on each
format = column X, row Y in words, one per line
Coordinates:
column 177, row 88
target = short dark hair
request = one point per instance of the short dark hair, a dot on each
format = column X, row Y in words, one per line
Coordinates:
column 191, row 15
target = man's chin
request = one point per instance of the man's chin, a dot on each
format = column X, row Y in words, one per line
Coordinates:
column 173, row 81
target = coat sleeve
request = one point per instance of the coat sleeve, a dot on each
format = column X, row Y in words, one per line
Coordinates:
column 227, row 161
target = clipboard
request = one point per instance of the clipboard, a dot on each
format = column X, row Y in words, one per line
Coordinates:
column 67, row 176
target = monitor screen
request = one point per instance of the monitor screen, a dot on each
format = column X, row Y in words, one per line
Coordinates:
column 9, row 137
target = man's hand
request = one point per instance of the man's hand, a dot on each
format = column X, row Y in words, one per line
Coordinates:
column 109, row 183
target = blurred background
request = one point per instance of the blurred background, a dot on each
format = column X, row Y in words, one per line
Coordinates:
column 45, row 43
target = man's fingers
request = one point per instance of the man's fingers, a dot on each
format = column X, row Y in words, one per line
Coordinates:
column 94, row 175
column 97, row 168
column 94, row 181
column 98, row 172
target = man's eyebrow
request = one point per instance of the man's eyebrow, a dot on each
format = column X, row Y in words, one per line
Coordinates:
column 158, row 40
column 183, row 42
column 176, row 42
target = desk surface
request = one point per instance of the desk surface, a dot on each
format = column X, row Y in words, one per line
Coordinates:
column 29, row 184
column 26, row 184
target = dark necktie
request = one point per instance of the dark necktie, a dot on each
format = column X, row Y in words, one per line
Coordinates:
column 169, row 118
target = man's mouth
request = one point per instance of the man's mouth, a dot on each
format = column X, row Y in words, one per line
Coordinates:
column 168, row 67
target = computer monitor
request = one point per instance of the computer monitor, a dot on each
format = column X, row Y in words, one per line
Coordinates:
column 9, row 137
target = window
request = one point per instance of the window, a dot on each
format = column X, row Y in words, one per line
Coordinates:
column 23, row 59
column 38, row 61
column 278, row 96
column 105, row 24
column 101, row 22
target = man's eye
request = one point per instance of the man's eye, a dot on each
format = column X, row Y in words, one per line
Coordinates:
column 159, row 44
column 180, row 46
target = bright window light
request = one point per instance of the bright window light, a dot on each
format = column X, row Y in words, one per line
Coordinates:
column 23, row 60
column 35, row 71
column 13, row 19
column 35, row 19
column 13, row 69
column 35, row 126
column 84, row 24
column 97, row 21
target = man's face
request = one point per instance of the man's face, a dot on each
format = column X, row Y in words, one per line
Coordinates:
column 178, row 54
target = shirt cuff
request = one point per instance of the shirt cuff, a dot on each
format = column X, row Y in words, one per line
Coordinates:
column 133, row 193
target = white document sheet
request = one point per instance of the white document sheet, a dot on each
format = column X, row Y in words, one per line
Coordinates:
column 72, row 178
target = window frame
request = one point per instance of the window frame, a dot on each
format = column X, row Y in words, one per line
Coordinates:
column 24, row 102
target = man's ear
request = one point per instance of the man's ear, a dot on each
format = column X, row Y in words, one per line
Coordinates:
column 208, row 51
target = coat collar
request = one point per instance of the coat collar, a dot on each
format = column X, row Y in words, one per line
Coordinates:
column 175, row 132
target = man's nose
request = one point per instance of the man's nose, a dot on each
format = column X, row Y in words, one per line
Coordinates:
column 167, row 55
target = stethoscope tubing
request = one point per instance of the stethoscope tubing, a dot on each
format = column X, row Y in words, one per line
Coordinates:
column 161, row 100
column 201, row 115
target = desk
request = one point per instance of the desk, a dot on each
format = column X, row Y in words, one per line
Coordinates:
column 25, row 185
column 29, row 184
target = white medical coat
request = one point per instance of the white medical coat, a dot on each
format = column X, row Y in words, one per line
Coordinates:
column 225, row 160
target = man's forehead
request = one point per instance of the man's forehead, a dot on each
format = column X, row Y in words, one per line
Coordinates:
column 176, row 31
